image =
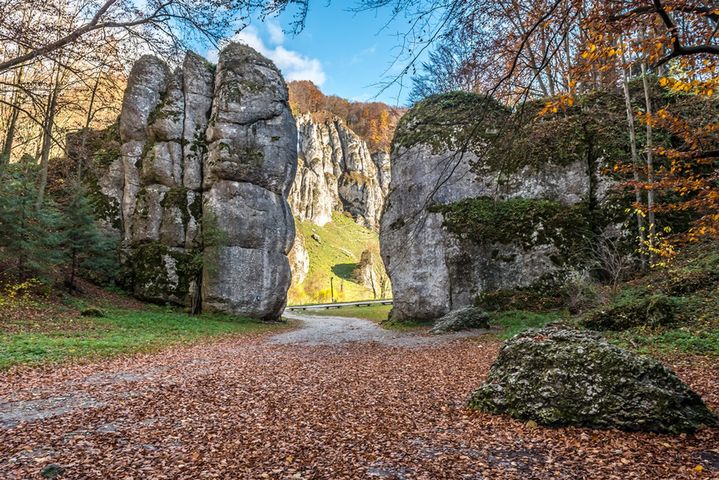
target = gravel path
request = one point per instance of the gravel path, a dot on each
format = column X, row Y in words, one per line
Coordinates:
column 334, row 400
column 328, row 330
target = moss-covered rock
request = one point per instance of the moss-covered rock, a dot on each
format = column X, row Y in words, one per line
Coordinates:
column 92, row 312
column 451, row 121
column 651, row 310
column 546, row 293
column 558, row 377
column 463, row 319
column 163, row 274
column 529, row 222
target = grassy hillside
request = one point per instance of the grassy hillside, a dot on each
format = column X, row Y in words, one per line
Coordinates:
column 335, row 255
column 670, row 309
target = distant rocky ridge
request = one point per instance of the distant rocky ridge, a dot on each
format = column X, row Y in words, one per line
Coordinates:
column 337, row 173
column 207, row 158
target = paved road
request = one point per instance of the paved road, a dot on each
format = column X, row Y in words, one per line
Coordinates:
column 365, row 303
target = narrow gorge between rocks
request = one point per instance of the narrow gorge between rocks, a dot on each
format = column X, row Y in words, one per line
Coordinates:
column 242, row 263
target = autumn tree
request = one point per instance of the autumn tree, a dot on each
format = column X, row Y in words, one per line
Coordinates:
column 557, row 50
column 373, row 121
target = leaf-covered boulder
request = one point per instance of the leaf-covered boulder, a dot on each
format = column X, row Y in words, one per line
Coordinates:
column 461, row 319
column 558, row 376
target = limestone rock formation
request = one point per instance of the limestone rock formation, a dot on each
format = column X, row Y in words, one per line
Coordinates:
column 442, row 182
column 337, row 173
column 249, row 169
column 164, row 116
column 299, row 260
column 207, row 158
column 557, row 377
column 465, row 318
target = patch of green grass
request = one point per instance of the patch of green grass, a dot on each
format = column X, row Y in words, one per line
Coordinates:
column 517, row 321
column 335, row 255
column 120, row 331
column 682, row 340
column 375, row 313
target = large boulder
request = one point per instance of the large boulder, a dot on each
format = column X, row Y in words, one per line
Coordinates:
column 472, row 209
column 558, row 376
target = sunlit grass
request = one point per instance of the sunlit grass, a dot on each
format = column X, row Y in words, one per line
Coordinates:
column 120, row 331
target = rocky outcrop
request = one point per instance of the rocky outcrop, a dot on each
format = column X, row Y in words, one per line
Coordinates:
column 337, row 173
column 207, row 158
column 248, row 172
column 299, row 260
column 559, row 377
column 365, row 271
column 161, row 212
column 459, row 221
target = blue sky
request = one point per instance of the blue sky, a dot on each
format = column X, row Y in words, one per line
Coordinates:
column 345, row 53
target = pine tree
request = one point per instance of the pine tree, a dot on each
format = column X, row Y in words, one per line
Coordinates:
column 28, row 244
column 83, row 248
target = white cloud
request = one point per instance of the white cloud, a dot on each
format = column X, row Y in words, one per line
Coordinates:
column 360, row 56
column 250, row 36
column 277, row 36
column 294, row 65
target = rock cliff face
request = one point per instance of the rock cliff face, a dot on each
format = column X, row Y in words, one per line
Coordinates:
column 442, row 182
column 208, row 156
column 337, row 172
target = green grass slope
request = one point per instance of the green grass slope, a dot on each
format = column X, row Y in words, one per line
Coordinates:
column 335, row 255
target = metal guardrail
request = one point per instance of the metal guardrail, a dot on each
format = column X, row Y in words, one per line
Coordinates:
column 327, row 306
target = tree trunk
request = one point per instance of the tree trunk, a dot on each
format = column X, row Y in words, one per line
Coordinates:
column 196, row 301
column 9, row 137
column 12, row 124
column 650, row 164
column 73, row 268
column 48, row 124
column 635, row 157
column 86, row 130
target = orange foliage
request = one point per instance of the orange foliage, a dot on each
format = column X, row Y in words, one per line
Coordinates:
column 373, row 121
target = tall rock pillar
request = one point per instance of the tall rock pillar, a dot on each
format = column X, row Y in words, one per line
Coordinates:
column 208, row 157
column 248, row 172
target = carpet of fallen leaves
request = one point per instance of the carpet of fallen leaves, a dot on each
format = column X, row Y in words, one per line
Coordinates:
column 242, row 408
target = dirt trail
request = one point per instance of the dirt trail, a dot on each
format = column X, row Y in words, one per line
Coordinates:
column 338, row 399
